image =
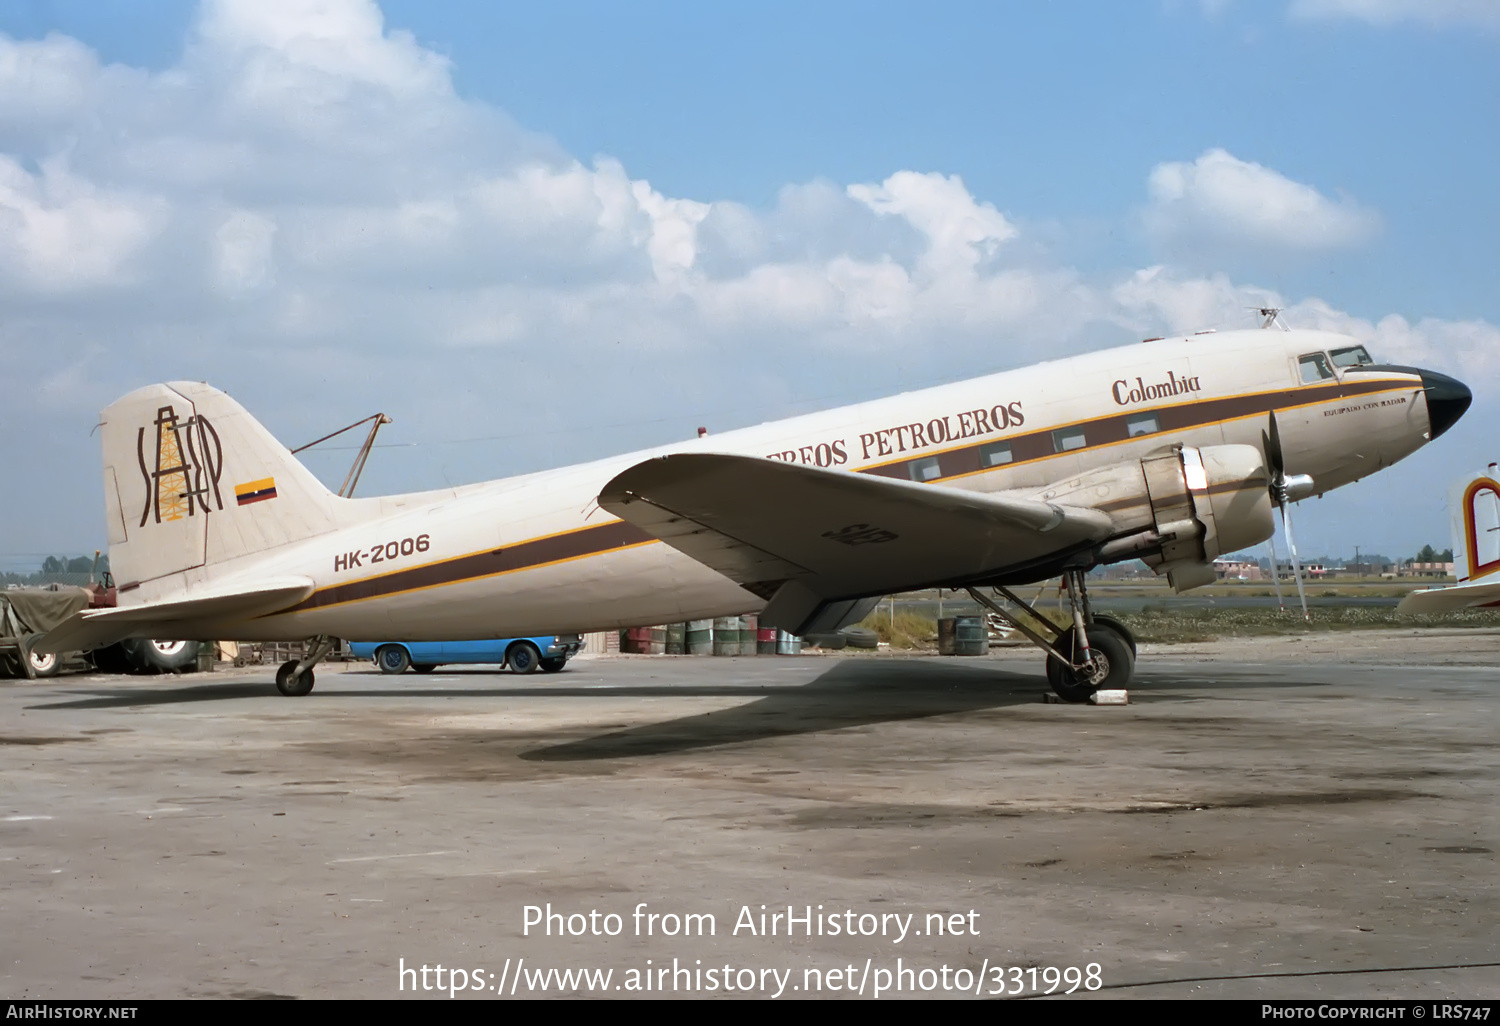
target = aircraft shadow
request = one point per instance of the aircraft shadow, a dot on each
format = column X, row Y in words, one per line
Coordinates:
column 852, row 693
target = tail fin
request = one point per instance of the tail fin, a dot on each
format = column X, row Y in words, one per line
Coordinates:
column 1475, row 506
column 191, row 479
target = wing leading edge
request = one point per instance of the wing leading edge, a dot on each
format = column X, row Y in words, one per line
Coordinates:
column 811, row 540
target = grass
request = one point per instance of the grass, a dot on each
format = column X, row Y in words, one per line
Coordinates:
column 909, row 632
column 1162, row 623
column 1164, row 626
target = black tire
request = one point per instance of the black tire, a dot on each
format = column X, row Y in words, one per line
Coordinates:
column 552, row 664
column 1118, row 626
column 392, row 659
column 293, row 688
column 160, row 656
column 424, row 667
column 110, row 659
column 1115, row 665
column 523, row 657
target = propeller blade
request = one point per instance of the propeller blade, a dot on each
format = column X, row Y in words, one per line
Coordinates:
column 1291, row 544
column 1276, row 572
column 1272, row 443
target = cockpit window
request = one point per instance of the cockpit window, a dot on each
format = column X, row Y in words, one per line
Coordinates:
column 1353, row 356
column 1314, row 368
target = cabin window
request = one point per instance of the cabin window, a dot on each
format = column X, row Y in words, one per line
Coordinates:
column 1352, row 356
column 1141, row 424
column 1314, row 368
column 925, row 469
column 1068, row 439
column 995, row 454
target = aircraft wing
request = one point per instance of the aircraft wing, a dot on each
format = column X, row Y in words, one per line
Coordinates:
column 95, row 628
column 803, row 536
column 1443, row 600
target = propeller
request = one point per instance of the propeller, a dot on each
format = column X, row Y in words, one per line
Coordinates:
column 1285, row 489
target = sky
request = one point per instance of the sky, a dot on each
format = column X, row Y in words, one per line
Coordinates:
column 537, row 234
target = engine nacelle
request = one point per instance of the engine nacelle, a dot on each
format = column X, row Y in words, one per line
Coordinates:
column 1179, row 508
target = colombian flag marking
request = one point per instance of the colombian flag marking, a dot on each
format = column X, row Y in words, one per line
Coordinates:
column 255, row 491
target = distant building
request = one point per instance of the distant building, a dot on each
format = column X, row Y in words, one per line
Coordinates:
column 1237, row 569
column 1416, row 569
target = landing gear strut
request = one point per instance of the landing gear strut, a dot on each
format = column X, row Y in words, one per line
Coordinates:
column 295, row 677
column 1094, row 653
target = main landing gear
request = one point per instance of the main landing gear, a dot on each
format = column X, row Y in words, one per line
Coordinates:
column 295, row 677
column 1094, row 653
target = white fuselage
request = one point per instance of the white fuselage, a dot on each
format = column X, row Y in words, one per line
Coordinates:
column 534, row 554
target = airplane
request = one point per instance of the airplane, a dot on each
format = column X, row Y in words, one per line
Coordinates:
column 1172, row 451
column 1474, row 505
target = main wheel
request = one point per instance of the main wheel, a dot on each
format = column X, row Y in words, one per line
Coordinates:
column 1118, row 626
column 293, row 688
column 423, row 667
column 1110, row 669
column 523, row 657
column 160, row 656
column 551, row 664
column 392, row 659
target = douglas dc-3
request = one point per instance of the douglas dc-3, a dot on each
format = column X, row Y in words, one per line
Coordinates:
column 1172, row 451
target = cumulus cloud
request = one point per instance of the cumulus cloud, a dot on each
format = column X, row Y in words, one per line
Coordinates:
column 59, row 232
column 1219, row 196
column 1484, row 13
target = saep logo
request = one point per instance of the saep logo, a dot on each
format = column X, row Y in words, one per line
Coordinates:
column 1126, row 393
column 188, row 461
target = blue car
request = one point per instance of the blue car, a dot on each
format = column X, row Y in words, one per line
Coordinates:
column 523, row 655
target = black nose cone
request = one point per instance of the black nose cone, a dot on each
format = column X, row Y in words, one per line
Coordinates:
column 1447, row 399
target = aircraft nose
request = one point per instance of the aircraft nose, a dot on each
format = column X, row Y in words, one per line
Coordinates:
column 1447, row 399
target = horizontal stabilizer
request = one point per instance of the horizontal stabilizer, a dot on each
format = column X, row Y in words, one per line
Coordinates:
column 836, row 534
column 164, row 620
column 1445, row 600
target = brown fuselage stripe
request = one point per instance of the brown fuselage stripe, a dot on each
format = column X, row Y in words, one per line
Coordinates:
column 1112, row 429
column 587, row 542
column 1036, row 445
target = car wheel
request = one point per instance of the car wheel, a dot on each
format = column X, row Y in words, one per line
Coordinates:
column 44, row 664
column 392, row 659
column 160, row 656
column 523, row 657
column 551, row 664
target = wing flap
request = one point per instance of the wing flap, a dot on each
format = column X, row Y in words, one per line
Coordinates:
column 95, row 628
column 840, row 534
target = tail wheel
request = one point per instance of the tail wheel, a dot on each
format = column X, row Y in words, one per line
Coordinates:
column 293, row 686
column 392, row 659
column 424, row 667
column 523, row 657
column 1110, row 669
column 552, row 664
